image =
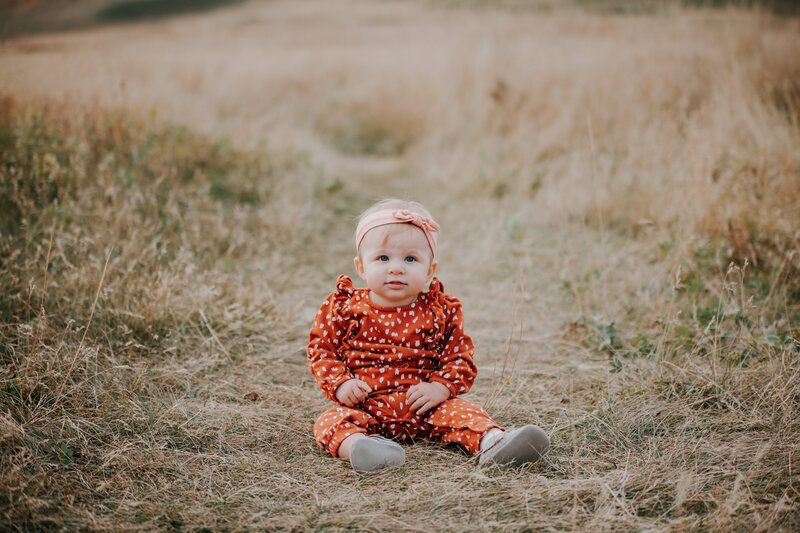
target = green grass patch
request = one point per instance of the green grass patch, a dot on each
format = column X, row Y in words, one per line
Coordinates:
column 149, row 9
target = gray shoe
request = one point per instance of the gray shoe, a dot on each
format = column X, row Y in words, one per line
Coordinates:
column 374, row 453
column 517, row 447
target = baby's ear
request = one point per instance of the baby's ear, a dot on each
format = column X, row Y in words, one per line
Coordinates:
column 359, row 267
column 432, row 269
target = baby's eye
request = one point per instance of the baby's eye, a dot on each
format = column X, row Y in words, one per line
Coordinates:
column 410, row 259
column 383, row 258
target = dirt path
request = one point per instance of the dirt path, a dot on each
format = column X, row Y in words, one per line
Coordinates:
column 293, row 74
column 273, row 73
column 567, row 156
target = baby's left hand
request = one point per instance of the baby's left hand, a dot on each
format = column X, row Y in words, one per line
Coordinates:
column 424, row 396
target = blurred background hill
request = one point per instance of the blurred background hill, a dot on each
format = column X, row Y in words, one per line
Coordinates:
column 20, row 17
column 35, row 16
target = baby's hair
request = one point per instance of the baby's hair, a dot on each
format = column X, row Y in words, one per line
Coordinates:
column 394, row 203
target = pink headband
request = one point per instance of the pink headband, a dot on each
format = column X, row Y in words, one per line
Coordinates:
column 398, row 216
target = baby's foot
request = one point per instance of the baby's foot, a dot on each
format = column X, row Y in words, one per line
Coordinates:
column 374, row 453
column 522, row 445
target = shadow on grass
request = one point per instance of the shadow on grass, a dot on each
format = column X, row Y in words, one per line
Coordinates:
column 69, row 15
column 625, row 7
column 145, row 9
column 779, row 7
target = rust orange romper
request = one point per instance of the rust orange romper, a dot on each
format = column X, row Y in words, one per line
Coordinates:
column 392, row 349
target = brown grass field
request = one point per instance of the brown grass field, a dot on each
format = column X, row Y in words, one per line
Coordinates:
column 619, row 192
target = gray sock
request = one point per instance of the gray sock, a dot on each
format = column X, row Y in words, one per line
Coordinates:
column 517, row 447
column 375, row 453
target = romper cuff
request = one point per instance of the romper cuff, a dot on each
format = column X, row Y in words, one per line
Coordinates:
column 449, row 384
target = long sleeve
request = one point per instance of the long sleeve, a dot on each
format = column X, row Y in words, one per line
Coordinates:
column 457, row 370
column 325, row 340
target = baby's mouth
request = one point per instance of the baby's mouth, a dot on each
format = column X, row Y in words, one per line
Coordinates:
column 395, row 283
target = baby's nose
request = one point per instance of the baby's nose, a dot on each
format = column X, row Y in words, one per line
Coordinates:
column 396, row 267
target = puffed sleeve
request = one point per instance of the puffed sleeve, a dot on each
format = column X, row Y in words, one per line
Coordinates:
column 326, row 339
column 457, row 370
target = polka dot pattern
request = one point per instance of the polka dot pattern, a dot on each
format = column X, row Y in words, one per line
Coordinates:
column 456, row 421
column 392, row 349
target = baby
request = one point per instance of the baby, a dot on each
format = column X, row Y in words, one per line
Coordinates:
column 394, row 357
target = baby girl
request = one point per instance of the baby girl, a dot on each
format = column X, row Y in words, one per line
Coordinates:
column 394, row 357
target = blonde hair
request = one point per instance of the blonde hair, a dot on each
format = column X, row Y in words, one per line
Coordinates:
column 394, row 203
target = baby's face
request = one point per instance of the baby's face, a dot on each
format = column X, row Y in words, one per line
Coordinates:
column 396, row 262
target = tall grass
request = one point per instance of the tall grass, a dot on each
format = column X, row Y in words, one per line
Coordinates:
column 619, row 212
column 136, row 260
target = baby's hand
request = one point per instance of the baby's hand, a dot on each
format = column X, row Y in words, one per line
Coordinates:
column 352, row 392
column 424, row 396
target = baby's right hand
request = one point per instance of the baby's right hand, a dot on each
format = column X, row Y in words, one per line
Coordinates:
column 352, row 392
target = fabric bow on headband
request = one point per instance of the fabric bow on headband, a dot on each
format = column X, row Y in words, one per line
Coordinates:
column 398, row 216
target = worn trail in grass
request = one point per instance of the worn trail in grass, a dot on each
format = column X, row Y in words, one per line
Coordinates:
column 626, row 255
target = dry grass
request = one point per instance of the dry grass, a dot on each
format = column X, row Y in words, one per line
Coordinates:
column 620, row 211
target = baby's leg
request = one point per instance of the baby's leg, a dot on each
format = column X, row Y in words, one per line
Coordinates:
column 337, row 424
column 342, row 432
column 347, row 443
column 460, row 421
